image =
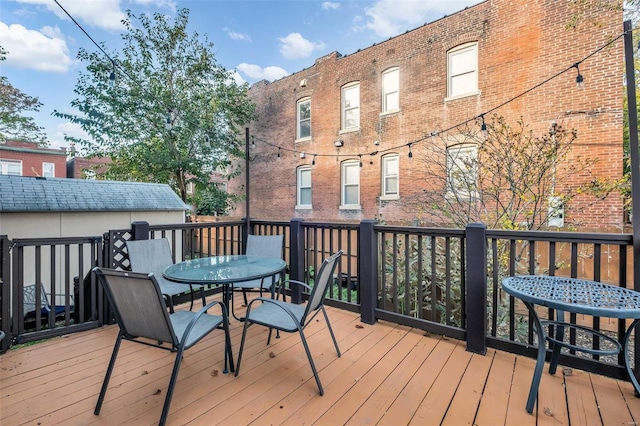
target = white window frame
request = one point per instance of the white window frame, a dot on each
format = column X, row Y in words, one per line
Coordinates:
column 51, row 173
column 462, row 173
column 345, row 109
column 299, row 120
column 556, row 212
column 190, row 188
column 301, row 186
column 5, row 166
column 390, row 90
column 390, row 171
column 462, row 66
column 345, row 183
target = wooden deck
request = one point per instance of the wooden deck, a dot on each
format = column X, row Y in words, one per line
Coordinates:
column 387, row 375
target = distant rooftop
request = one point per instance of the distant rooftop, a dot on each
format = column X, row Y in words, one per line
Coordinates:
column 35, row 194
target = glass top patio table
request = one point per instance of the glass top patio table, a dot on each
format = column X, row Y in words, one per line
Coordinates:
column 577, row 296
column 225, row 270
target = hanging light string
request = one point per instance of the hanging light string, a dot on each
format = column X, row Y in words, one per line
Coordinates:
column 481, row 117
column 115, row 66
column 579, row 80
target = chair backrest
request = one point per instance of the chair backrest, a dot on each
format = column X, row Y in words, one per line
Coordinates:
column 264, row 245
column 150, row 256
column 29, row 298
column 137, row 304
column 321, row 284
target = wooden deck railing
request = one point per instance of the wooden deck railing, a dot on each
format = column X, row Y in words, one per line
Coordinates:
column 445, row 281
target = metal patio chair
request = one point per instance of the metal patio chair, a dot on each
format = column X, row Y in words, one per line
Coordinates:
column 258, row 245
column 154, row 256
column 139, row 309
column 30, row 305
column 291, row 318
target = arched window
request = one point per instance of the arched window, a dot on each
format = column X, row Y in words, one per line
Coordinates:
column 391, row 90
column 350, row 185
column 350, row 105
column 390, row 177
column 462, row 70
column 303, row 198
column 304, row 119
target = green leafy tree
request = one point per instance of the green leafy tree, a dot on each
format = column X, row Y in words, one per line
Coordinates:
column 13, row 105
column 170, row 115
column 211, row 200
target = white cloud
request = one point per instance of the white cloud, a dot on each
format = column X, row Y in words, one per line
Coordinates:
column 237, row 36
column 295, row 46
column 105, row 14
column 390, row 18
column 256, row 72
column 43, row 50
column 330, row 5
column 237, row 78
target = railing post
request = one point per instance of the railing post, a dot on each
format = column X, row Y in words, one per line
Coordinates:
column 296, row 256
column 368, row 271
column 5, row 290
column 476, row 302
column 139, row 230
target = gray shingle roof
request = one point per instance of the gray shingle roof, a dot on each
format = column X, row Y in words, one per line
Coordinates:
column 31, row 194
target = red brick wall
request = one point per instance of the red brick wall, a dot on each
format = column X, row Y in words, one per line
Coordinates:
column 32, row 157
column 78, row 166
column 520, row 44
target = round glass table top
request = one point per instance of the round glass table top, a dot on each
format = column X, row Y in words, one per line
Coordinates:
column 224, row 269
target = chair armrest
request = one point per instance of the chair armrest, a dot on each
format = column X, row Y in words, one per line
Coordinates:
column 276, row 303
column 199, row 314
column 280, row 288
column 296, row 282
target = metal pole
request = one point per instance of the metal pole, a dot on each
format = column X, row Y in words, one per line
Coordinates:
column 632, row 111
column 247, row 173
column 633, row 147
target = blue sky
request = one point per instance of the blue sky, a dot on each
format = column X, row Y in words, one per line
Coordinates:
column 258, row 39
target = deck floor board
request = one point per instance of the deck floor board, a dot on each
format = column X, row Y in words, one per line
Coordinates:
column 387, row 375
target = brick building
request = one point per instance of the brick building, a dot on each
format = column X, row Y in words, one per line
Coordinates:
column 20, row 158
column 347, row 138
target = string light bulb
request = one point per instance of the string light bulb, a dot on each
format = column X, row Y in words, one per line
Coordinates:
column 313, row 161
column 360, row 156
column 278, row 153
column 410, row 153
column 483, row 126
column 579, row 77
column 253, row 142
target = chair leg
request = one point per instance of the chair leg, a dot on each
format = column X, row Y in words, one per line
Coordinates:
column 244, row 334
column 335, row 342
column 172, row 385
column 203, row 296
column 228, row 352
column 313, row 366
column 105, row 383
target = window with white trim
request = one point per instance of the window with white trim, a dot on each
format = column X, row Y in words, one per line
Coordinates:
column 391, row 90
column 303, row 199
column 11, row 167
column 190, row 188
column 48, row 170
column 390, row 176
column 350, row 104
column 350, row 187
column 462, row 70
column 304, row 119
column 462, row 171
